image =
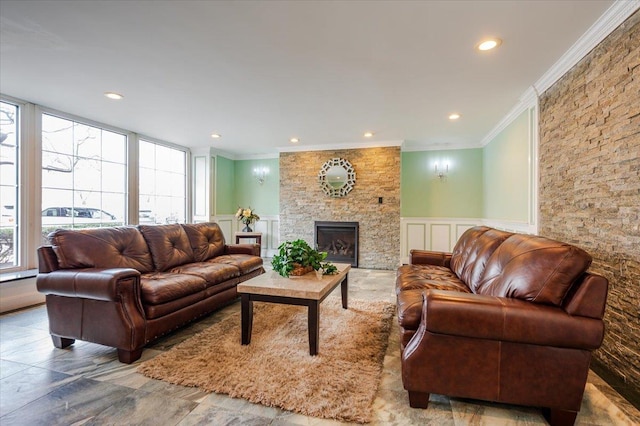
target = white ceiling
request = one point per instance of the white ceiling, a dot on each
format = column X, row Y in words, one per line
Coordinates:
column 261, row 72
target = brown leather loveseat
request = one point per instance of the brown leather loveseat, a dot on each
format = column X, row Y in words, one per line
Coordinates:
column 506, row 317
column 126, row 286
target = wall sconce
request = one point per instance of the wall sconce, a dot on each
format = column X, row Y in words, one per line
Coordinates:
column 440, row 172
column 260, row 173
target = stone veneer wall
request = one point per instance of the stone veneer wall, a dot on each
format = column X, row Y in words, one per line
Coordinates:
column 590, row 181
column 377, row 175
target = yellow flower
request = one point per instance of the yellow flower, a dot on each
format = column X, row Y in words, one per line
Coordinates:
column 246, row 216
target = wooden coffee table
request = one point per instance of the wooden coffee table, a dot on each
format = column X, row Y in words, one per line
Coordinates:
column 307, row 290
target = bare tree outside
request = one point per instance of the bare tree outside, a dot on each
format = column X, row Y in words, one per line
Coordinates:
column 84, row 175
column 84, row 179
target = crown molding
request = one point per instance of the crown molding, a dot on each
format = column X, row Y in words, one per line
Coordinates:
column 222, row 153
column 609, row 21
column 257, row 156
column 529, row 99
column 338, row 146
column 439, row 147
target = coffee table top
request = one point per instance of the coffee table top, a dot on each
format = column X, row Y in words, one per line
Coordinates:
column 307, row 286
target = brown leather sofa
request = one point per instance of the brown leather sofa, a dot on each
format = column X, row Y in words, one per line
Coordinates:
column 126, row 286
column 509, row 318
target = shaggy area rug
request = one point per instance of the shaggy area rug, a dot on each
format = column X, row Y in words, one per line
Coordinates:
column 276, row 369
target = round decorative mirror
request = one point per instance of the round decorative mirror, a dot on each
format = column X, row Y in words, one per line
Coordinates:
column 337, row 177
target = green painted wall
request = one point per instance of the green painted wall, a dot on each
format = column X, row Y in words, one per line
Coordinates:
column 263, row 198
column 506, row 179
column 491, row 182
column 225, row 186
column 423, row 194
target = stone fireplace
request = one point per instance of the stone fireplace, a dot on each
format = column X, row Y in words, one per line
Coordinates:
column 374, row 202
column 339, row 240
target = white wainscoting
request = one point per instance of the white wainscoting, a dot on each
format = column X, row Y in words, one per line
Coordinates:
column 438, row 234
column 441, row 234
column 268, row 225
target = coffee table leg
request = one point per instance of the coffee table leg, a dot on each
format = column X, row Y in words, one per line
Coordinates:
column 314, row 326
column 246, row 308
column 344, row 286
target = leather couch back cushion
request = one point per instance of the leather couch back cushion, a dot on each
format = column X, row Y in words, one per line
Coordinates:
column 533, row 268
column 116, row 247
column 168, row 244
column 473, row 250
column 206, row 239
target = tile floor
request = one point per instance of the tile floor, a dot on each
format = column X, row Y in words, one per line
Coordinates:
column 86, row 385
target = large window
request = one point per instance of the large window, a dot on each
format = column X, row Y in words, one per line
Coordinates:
column 84, row 175
column 162, row 175
column 9, row 178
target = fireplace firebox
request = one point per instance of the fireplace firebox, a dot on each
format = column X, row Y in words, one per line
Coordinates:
column 339, row 240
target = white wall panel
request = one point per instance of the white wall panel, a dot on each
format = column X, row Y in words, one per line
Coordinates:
column 416, row 237
column 226, row 225
column 461, row 228
column 440, row 237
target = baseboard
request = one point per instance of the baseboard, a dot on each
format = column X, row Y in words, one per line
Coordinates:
column 626, row 390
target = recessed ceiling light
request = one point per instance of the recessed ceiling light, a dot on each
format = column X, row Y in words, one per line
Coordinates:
column 215, row 135
column 489, row 44
column 454, row 116
column 368, row 134
column 294, row 140
column 113, row 95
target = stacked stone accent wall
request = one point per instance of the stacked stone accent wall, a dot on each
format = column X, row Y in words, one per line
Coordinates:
column 377, row 175
column 590, row 181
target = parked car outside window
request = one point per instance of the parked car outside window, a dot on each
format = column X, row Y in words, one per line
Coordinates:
column 62, row 215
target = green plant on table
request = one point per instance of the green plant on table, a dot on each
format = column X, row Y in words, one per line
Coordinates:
column 298, row 254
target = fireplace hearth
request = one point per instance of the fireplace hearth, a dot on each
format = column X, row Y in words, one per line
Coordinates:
column 339, row 240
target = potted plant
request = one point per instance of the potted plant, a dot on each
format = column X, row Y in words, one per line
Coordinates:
column 298, row 258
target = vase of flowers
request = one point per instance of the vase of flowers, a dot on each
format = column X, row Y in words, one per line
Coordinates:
column 247, row 217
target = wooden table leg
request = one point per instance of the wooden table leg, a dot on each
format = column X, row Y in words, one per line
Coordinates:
column 314, row 326
column 246, row 307
column 344, row 286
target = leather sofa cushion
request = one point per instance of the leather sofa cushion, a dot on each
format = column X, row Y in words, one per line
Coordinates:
column 162, row 287
column 213, row 273
column 422, row 277
column 206, row 240
column 157, row 311
column 114, row 247
column 533, row 268
column 244, row 262
column 473, row 250
column 168, row 244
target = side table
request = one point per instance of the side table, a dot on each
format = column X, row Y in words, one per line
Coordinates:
column 253, row 235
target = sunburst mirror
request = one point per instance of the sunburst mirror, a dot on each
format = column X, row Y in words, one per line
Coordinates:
column 337, row 177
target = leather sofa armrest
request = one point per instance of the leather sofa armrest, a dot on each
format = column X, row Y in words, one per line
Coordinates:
column 97, row 284
column 507, row 319
column 252, row 249
column 47, row 259
column 427, row 257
